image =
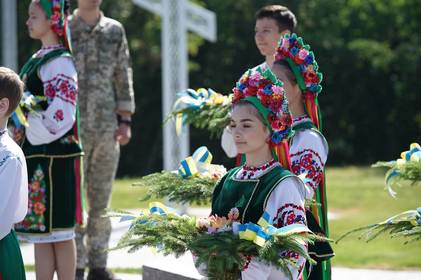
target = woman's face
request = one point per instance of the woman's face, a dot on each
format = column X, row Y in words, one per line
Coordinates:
column 37, row 23
column 249, row 133
column 292, row 90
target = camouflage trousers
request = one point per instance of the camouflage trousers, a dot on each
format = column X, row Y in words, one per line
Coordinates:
column 101, row 161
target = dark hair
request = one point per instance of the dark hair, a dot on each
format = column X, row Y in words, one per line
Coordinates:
column 252, row 109
column 66, row 7
column 288, row 71
column 284, row 18
column 11, row 87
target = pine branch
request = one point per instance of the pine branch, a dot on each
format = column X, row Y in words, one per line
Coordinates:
column 182, row 190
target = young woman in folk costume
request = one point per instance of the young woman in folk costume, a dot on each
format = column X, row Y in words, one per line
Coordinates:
column 296, row 67
column 51, row 143
column 260, row 121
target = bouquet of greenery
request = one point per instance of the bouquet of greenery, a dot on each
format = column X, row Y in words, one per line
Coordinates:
column 170, row 185
column 408, row 167
column 202, row 108
column 222, row 245
column 192, row 183
column 406, row 224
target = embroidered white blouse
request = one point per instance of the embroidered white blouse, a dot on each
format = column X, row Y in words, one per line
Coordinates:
column 59, row 79
column 13, row 184
column 286, row 206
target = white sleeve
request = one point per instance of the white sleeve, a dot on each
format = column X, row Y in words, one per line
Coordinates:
column 14, row 192
column 308, row 153
column 228, row 144
column 286, row 206
column 60, row 87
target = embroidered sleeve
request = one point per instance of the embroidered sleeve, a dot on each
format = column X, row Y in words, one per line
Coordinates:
column 14, row 195
column 308, row 158
column 123, row 77
column 286, row 206
column 60, row 87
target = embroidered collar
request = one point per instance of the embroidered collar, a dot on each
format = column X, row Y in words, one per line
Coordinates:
column 251, row 172
column 44, row 50
column 300, row 119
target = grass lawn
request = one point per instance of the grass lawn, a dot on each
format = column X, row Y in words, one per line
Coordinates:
column 357, row 196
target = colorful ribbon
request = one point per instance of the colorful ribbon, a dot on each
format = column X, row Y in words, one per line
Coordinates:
column 197, row 164
column 412, row 155
column 155, row 208
column 412, row 216
column 263, row 231
column 30, row 103
column 192, row 99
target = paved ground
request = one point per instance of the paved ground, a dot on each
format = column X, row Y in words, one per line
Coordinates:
column 184, row 264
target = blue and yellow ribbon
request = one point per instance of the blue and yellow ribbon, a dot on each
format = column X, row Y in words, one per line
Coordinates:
column 197, row 164
column 263, row 231
column 412, row 155
column 195, row 99
column 30, row 103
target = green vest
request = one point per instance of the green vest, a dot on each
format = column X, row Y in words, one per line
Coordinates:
column 249, row 196
column 69, row 144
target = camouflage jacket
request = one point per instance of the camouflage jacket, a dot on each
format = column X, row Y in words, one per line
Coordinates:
column 105, row 77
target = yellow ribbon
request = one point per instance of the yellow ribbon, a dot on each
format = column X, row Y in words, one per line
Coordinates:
column 197, row 164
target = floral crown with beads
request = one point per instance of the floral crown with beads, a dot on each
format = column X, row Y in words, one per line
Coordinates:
column 292, row 49
column 266, row 93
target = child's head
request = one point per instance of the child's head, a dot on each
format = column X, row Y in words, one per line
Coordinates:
column 11, row 90
column 46, row 18
column 271, row 23
column 248, row 129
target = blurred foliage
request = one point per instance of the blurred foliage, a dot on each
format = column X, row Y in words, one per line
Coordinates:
column 368, row 50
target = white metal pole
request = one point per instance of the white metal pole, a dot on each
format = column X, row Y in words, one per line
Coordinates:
column 175, row 77
column 9, row 33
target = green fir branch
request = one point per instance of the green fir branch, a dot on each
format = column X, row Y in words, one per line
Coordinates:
column 213, row 118
column 181, row 190
column 223, row 253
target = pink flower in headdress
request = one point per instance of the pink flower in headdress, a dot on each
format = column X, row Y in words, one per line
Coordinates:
column 255, row 79
column 277, row 89
column 302, row 54
column 284, row 44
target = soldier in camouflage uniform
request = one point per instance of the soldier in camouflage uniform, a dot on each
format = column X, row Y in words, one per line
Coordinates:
column 106, row 101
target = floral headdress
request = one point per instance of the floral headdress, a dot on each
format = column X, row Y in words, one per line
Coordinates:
column 266, row 93
column 292, row 49
column 54, row 9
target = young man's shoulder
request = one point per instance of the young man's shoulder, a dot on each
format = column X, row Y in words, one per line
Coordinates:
column 10, row 152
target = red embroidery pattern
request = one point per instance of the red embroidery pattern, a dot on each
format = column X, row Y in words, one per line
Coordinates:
column 59, row 115
column 246, row 265
column 63, row 87
column 310, row 163
column 289, row 214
